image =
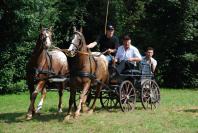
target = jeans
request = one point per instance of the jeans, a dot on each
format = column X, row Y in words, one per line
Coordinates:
column 124, row 65
column 109, row 59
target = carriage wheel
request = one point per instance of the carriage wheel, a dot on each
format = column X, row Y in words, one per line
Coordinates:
column 150, row 94
column 127, row 96
column 108, row 100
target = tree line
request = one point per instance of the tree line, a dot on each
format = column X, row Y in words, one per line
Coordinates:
column 169, row 26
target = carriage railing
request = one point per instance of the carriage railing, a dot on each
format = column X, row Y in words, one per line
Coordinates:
column 146, row 72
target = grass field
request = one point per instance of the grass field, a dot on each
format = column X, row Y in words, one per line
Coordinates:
column 177, row 113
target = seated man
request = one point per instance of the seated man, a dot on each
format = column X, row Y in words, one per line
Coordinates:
column 108, row 43
column 127, row 55
column 148, row 58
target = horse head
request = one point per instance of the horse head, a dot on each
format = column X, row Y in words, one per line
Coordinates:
column 77, row 44
column 45, row 39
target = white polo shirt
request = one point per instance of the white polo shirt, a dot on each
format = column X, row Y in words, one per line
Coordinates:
column 131, row 52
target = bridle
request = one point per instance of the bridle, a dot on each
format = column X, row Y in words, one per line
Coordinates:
column 79, row 50
column 77, row 46
column 43, row 38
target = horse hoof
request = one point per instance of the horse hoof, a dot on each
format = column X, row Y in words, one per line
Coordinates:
column 85, row 109
column 76, row 115
column 67, row 118
column 28, row 116
column 90, row 111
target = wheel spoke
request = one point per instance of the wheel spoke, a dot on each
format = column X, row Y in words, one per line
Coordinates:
column 127, row 96
column 106, row 101
column 150, row 94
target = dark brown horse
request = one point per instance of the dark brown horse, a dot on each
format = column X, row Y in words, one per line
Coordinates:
column 43, row 65
column 86, row 70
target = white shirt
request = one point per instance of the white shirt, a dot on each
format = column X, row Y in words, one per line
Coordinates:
column 131, row 52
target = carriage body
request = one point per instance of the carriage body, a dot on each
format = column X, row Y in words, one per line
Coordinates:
column 137, row 84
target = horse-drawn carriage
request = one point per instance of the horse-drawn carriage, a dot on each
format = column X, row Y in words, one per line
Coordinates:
column 132, row 85
column 123, row 89
column 89, row 75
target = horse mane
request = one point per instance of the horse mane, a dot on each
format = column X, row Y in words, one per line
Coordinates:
column 38, row 47
column 84, row 42
column 36, row 52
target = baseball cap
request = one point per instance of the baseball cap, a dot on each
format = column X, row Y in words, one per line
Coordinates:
column 110, row 27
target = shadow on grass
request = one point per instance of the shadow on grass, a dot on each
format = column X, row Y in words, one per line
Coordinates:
column 19, row 117
column 47, row 115
column 191, row 110
column 43, row 116
column 12, row 117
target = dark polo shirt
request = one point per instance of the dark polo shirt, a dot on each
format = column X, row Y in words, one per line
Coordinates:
column 106, row 43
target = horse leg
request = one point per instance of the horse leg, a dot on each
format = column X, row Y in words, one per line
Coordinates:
column 43, row 96
column 98, row 89
column 84, row 106
column 71, row 102
column 60, row 91
column 30, row 84
column 31, row 88
column 82, row 95
column 39, row 87
column 75, row 105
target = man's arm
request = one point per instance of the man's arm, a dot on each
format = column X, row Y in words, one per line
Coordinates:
column 135, row 59
column 116, row 59
column 116, row 41
column 91, row 45
column 153, row 65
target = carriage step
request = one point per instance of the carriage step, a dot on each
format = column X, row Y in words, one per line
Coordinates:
column 58, row 79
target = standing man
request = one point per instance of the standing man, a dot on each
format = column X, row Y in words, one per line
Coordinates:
column 127, row 55
column 148, row 58
column 108, row 43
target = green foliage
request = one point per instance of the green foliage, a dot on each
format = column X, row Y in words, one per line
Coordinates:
column 170, row 26
column 71, row 13
column 19, row 29
column 18, row 87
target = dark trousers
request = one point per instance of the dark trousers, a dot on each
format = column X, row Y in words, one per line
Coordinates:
column 124, row 65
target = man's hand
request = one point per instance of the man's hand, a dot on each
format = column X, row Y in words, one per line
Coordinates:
column 130, row 59
column 115, row 60
column 109, row 51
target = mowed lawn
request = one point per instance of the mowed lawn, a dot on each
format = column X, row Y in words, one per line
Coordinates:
column 177, row 113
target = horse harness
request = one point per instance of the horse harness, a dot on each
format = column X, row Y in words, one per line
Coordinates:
column 47, row 71
column 90, row 74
